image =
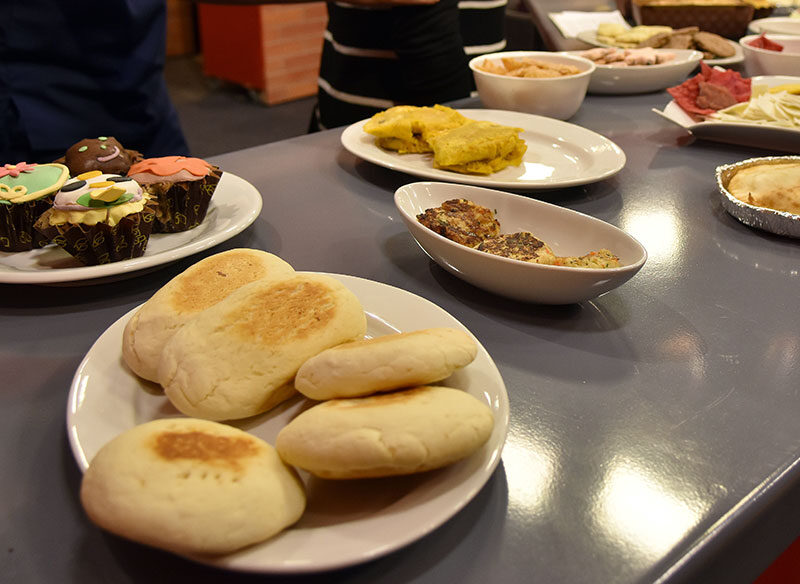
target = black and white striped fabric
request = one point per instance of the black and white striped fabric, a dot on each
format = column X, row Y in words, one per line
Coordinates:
column 377, row 57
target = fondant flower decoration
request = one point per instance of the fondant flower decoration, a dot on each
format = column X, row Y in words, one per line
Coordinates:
column 14, row 169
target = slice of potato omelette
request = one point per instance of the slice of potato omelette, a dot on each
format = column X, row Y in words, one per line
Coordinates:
column 408, row 128
column 478, row 148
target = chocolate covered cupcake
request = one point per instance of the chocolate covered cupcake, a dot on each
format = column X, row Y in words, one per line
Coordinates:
column 26, row 191
column 182, row 188
column 99, row 218
column 105, row 154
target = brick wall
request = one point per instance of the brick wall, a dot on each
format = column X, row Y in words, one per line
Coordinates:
column 292, row 45
column 272, row 49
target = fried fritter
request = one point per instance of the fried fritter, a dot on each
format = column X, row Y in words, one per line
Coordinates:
column 461, row 221
column 602, row 258
column 522, row 245
column 408, row 128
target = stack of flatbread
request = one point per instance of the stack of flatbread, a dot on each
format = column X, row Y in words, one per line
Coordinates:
column 235, row 335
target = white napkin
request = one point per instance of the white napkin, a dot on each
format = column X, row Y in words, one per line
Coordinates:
column 571, row 22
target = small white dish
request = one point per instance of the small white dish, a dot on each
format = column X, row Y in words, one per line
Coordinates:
column 567, row 232
column 235, row 205
column 747, row 134
column 616, row 80
column 765, row 62
column 590, row 37
column 775, row 25
column 345, row 522
column 553, row 97
column 559, row 154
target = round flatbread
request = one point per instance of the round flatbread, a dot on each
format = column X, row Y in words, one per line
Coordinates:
column 384, row 363
column 239, row 357
column 186, row 295
column 191, row 487
column 402, row 432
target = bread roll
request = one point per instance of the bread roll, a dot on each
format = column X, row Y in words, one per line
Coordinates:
column 387, row 434
column 239, row 357
column 385, row 363
column 190, row 292
column 192, row 487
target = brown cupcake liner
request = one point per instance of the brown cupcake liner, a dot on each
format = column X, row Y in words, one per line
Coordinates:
column 182, row 206
column 102, row 243
column 16, row 225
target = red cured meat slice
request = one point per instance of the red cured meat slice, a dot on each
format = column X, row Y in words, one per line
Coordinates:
column 762, row 42
column 685, row 94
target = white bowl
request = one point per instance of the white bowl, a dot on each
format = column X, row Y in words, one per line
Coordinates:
column 775, row 25
column 609, row 79
column 764, row 62
column 557, row 97
column 567, row 232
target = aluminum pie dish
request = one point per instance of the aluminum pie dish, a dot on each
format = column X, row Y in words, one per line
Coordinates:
column 772, row 220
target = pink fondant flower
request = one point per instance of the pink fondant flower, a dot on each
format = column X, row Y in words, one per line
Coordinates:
column 15, row 169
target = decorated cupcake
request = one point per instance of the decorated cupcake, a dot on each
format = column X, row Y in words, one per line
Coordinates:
column 26, row 191
column 105, row 154
column 99, row 218
column 182, row 188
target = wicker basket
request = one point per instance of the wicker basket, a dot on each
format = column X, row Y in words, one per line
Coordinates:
column 728, row 18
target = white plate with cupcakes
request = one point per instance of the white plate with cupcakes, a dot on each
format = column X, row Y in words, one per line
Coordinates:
column 235, row 204
column 345, row 521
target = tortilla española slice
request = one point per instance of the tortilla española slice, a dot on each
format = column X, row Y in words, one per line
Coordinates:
column 478, row 148
column 408, row 128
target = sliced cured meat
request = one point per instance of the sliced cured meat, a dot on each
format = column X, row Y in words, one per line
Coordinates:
column 686, row 94
column 714, row 97
column 762, row 42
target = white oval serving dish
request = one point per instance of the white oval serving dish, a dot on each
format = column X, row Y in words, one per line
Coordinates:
column 567, row 232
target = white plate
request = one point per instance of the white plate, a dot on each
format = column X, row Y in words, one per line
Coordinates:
column 346, row 522
column 759, row 136
column 590, row 37
column 775, row 25
column 559, row 154
column 567, row 232
column 235, row 205
column 607, row 79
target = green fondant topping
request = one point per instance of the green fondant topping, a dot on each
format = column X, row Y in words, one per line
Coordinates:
column 43, row 180
column 87, row 201
column 102, row 138
column 83, row 149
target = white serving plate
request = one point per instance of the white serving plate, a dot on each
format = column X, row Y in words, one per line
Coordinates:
column 775, row 25
column 590, row 37
column 346, row 522
column 235, row 205
column 756, row 135
column 567, row 232
column 608, row 79
column 559, row 154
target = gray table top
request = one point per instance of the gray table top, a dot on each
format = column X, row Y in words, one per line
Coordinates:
column 653, row 432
